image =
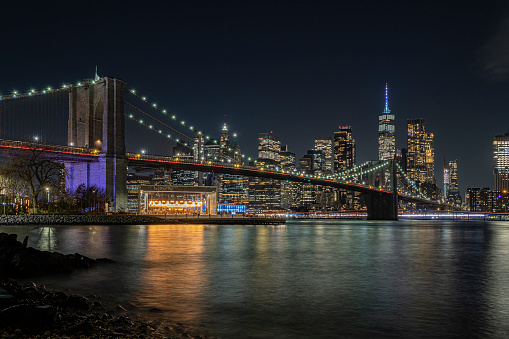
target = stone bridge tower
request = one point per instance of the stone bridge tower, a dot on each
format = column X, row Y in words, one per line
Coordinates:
column 96, row 120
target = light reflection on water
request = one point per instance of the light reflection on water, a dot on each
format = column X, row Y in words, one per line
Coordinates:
column 305, row 279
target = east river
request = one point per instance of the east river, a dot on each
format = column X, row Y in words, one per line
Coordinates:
column 317, row 279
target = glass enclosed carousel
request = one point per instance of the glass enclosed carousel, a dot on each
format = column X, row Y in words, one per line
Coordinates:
column 168, row 199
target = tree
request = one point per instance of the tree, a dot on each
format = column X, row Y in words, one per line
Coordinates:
column 90, row 199
column 32, row 169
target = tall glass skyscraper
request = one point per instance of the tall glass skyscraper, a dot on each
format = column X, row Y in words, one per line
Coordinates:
column 344, row 149
column 386, row 130
column 501, row 162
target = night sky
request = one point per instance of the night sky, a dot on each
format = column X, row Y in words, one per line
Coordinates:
column 297, row 68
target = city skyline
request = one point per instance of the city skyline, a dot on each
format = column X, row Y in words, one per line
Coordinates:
column 299, row 69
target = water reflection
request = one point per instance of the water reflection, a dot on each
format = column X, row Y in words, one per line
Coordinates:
column 305, row 279
column 174, row 275
column 47, row 239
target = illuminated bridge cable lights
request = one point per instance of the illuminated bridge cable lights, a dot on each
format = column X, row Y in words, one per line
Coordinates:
column 50, row 89
column 159, row 122
column 164, row 112
column 150, row 127
column 169, row 136
column 154, row 106
column 411, row 183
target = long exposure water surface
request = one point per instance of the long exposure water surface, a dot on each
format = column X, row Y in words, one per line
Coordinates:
column 305, row 279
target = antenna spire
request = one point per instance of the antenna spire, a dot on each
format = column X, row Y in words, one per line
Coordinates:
column 96, row 78
column 386, row 100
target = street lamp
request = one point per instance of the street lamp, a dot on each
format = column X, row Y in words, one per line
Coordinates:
column 47, row 191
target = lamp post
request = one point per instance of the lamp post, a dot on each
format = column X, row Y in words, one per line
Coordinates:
column 47, row 191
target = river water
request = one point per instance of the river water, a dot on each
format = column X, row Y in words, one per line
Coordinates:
column 317, row 279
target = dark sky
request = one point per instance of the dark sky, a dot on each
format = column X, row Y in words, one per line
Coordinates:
column 298, row 68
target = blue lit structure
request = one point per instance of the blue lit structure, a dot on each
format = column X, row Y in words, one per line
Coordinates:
column 231, row 209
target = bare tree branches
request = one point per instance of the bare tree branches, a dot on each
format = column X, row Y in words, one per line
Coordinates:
column 32, row 170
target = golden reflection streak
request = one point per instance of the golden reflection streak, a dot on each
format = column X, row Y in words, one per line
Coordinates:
column 177, row 276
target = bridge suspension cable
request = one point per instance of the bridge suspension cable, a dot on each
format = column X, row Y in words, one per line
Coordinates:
column 158, row 121
column 162, row 111
column 410, row 182
column 35, row 118
column 48, row 90
column 165, row 113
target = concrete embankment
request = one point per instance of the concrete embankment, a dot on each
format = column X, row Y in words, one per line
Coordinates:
column 125, row 219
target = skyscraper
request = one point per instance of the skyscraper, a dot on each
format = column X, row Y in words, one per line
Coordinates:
column 225, row 150
column 421, row 157
column 429, row 144
column 501, row 163
column 198, row 146
column 451, row 189
column 269, row 147
column 344, row 159
column 183, row 177
column 232, row 188
column 344, row 149
column 447, row 178
column 265, row 194
column 199, row 155
column 386, row 130
column 325, row 145
column 290, row 190
column 416, row 154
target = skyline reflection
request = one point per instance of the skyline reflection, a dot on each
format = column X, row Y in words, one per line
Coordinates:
column 308, row 278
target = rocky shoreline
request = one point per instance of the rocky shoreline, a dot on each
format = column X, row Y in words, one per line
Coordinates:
column 31, row 311
column 131, row 219
column 79, row 219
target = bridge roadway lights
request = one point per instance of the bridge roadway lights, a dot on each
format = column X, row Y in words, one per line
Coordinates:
column 382, row 206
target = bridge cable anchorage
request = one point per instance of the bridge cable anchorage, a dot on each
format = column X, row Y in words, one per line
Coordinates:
column 159, row 122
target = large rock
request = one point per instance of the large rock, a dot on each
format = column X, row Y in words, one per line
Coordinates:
column 18, row 260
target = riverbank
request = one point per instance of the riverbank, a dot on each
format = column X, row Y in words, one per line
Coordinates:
column 31, row 311
column 128, row 219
